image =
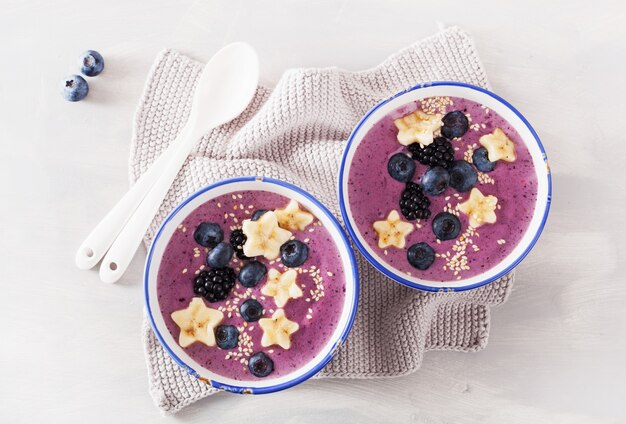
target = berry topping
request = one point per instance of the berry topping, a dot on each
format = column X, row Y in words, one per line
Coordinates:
column 226, row 336
column 257, row 214
column 74, row 88
column 401, row 167
column 251, row 310
column 260, row 365
column 439, row 153
column 420, row 256
column 455, row 124
column 208, row 234
column 220, row 255
column 252, row 273
column 91, row 63
column 413, row 203
column 435, row 181
column 462, row 176
column 214, row 284
column 481, row 160
column 237, row 240
column 294, row 253
column 446, row 226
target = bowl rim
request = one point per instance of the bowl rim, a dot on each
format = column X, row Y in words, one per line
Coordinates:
column 388, row 270
column 336, row 343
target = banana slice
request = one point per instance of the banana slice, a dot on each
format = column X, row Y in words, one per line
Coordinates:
column 282, row 287
column 292, row 217
column 392, row 231
column 479, row 208
column 499, row 146
column 264, row 236
column 277, row 330
column 417, row 127
column 197, row 323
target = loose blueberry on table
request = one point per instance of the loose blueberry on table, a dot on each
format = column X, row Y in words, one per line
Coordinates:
column 257, row 304
column 74, row 88
column 91, row 63
column 453, row 182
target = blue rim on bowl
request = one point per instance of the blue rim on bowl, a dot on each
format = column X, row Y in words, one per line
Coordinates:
column 330, row 349
column 360, row 130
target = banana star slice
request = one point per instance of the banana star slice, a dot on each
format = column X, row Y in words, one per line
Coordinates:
column 392, row 231
column 417, row 127
column 282, row 286
column 293, row 218
column 277, row 330
column 499, row 146
column 480, row 209
column 197, row 323
column 264, row 236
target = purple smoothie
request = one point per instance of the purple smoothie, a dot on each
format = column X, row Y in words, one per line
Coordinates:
column 317, row 312
column 373, row 193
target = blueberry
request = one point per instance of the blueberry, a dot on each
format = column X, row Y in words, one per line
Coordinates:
column 91, row 63
column 455, row 124
column 257, row 214
column 74, row 88
column 401, row 167
column 446, row 226
column 481, row 160
column 226, row 336
column 435, row 180
column 462, row 176
column 420, row 256
column 252, row 273
column 260, row 365
column 294, row 253
column 208, row 234
column 220, row 255
column 251, row 310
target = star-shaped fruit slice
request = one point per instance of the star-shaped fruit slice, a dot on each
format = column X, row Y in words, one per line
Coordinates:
column 417, row 127
column 282, row 286
column 392, row 231
column 264, row 236
column 499, row 146
column 292, row 217
column 480, row 209
column 197, row 323
column 277, row 330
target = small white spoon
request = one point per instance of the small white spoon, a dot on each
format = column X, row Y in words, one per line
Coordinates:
column 226, row 86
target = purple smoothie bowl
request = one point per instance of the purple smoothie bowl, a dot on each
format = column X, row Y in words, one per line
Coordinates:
column 348, row 307
column 414, row 94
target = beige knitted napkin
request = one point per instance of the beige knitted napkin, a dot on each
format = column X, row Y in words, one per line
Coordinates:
column 296, row 132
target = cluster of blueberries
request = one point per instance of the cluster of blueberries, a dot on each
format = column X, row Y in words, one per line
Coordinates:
column 443, row 172
column 75, row 87
column 216, row 283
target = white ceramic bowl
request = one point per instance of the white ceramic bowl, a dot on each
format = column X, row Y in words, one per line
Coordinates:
column 493, row 102
column 153, row 262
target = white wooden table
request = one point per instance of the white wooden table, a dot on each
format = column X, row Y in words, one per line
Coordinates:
column 70, row 349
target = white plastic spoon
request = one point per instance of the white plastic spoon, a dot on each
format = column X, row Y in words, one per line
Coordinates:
column 103, row 235
column 226, row 86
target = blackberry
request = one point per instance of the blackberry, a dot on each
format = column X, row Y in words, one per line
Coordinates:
column 414, row 204
column 237, row 240
column 214, row 284
column 439, row 153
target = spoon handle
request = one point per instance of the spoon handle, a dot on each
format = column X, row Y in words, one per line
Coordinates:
column 102, row 236
column 123, row 248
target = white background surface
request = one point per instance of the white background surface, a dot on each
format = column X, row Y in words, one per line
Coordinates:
column 70, row 349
